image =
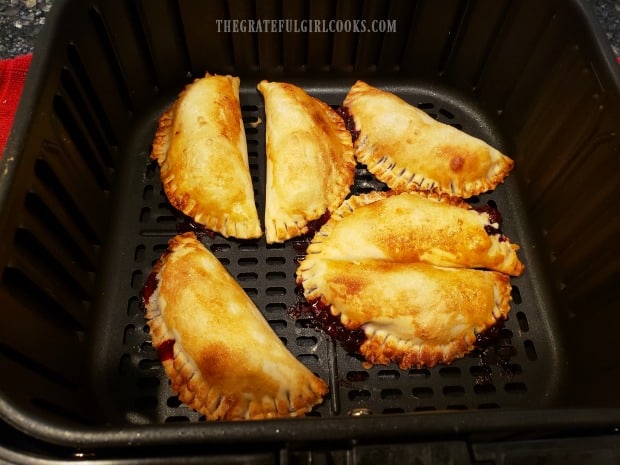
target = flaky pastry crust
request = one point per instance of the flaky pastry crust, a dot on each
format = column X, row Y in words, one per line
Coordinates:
column 413, row 227
column 416, row 271
column 413, row 314
column 310, row 161
column 201, row 149
column 409, row 150
column 225, row 361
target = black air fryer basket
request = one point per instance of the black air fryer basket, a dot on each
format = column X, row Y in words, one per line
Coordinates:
column 83, row 217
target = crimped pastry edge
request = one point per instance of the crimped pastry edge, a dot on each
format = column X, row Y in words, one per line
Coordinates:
column 315, row 248
column 190, row 386
column 289, row 228
column 402, row 179
column 385, row 169
column 182, row 202
column 383, row 348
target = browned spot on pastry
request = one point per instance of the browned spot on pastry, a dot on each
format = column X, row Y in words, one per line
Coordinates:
column 215, row 360
column 233, row 113
column 180, row 202
column 218, row 365
column 456, row 163
column 452, row 156
column 348, row 285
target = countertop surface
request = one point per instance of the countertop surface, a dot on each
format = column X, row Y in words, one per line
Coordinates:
column 20, row 23
column 22, row 20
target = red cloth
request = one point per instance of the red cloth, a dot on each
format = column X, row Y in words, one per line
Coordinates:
column 12, row 77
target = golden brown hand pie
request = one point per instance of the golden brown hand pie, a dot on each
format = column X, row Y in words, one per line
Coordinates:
column 413, row 314
column 310, row 161
column 221, row 355
column 201, row 147
column 409, row 150
column 414, row 227
column 399, row 268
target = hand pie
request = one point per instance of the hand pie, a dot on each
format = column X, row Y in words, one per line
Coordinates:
column 310, row 161
column 398, row 268
column 413, row 314
column 409, row 150
column 221, row 355
column 201, row 148
column 414, row 227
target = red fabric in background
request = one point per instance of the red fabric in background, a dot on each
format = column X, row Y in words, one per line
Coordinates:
column 12, row 77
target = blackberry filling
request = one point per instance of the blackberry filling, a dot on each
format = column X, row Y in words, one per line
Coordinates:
column 165, row 350
column 320, row 317
column 348, row 122
column 494, row 217
column 315, row 225
column 494, row 348
column 189, row 225
column 301, row 243
column 490, row 336
column 149, row 287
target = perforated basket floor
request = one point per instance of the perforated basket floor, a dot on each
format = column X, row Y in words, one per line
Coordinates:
column 518, row 370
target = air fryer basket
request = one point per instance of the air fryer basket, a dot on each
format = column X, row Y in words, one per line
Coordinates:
column 518, row 370
column 84, row 216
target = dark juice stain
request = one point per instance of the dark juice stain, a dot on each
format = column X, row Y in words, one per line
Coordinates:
column 494, row 348
column 301, row 243
column 186, row 224
column 315, row 225
column 495, row 217
column 320, row 317
column 165, row 350
column 349, row 122
column 149, row 287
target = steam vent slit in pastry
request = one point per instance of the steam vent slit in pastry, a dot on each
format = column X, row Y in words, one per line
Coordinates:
column 409, row 150
column 412, row 277
column 310, row 161
column 220, row 354
column 201, row 148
